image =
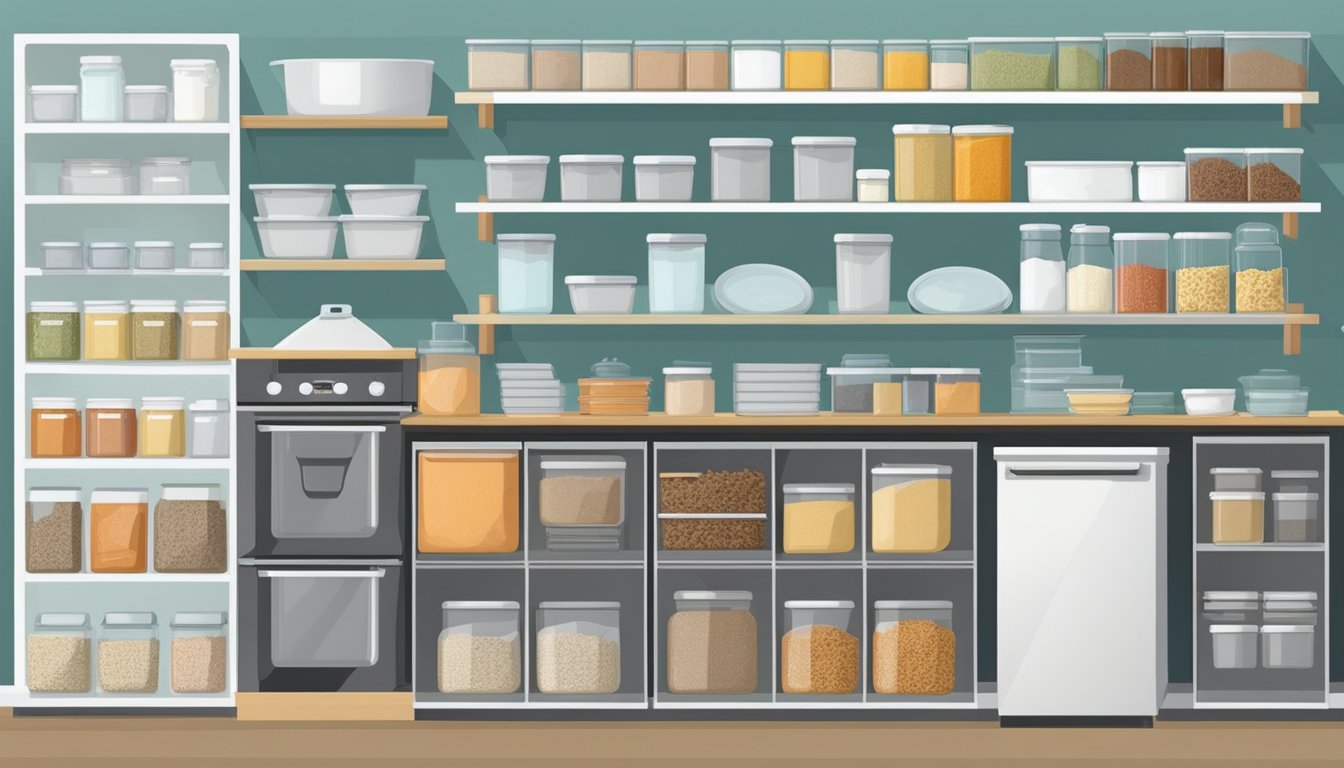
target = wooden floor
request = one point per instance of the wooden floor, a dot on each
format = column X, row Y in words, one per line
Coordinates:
column 151, row 742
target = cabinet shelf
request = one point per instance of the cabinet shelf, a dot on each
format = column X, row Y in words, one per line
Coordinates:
column 1168, row 98
column 342, row 265
column 86, row 368
column 127, row 463
column 885, row 208
column 126, row 578
column 127, row 200
column 1269, row 546
column 105, row 273
column 1172, row 319
column 344, row 123
column 108, row 129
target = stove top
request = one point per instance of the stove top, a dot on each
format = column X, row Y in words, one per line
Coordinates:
column 326, row 382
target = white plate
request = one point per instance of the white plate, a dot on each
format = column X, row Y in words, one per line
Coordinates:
column 959, row 290
column 762, row 289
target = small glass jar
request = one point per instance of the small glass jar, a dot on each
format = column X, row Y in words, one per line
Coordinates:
column 688, row 391
column 905, row 65
column 209, row 433
column 110, row 428
column 1261, row 279
column 606, row 65
column 855, row 65
column 578, row 647
column 819, row 654
column 949, row 65
column 1203, row 266
column 165, row 176
column 1206, row 59
column 1091, row 270
column 195, row 90
column 163, row 427
column 450, row 372
column 872, row 185
column 1171, row 68
column 205, row 330
column 711, row 643
column 53, row 330
column 556, row 65
column 128, row 653
column 807, row 65
column 102, row 89
column 1079, row 63
column 479, row 647
column 707, row 65
column 1041, row 273
column 914, row 648
column 1141, row 272
column 190, row 530
column 982, row 163
column 1274, row 175
column 923, row 163
column 497, row 65
column 155, row 328
column 757, row 65
column 660, row 65
column 107, row 330
column 54, row 531
column 60, row 653
column 119, row 530
column 1215, row 175
column 526, row 268
column 53, row 428
column 200, row 652
column 1129, row 61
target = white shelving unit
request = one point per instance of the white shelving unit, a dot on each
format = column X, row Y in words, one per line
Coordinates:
column 54, row 58
column 888, row 208
column 1118, row 98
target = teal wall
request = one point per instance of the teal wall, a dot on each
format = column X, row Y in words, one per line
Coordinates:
column 401, row 306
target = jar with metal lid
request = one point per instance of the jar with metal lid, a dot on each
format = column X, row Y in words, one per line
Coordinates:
column 190, row 531
column 855, row 66
column 195, row 90
column 807, row 65
column 209, row 433
column 688, row 390
column 163, row 427
column 578, row 647
column 1203, row 264
column 949, row 65
column 1091, row 269
column 480, row 647
column 54, row 531
column 128, row 653
column 923, row 164
column 53, row 428
column 119, row 530
column 914, row 648
column 155, row 328
column 1141, row 272
column 107, row 330
column 102, row 88
column 450, row 372
column 200, row 652
column 1041, row 273
column 711, row 643
column 205, row 330
column 53, row 330
column 110, row 428
column 165, row 176
column 819, row 654
column 59, row 653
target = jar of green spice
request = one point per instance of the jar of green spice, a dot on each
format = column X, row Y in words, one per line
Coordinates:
column 53, row 330
column 1012, row 63
column 1079, row 62
column 155, row 328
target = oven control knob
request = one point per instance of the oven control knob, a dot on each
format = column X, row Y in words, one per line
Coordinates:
column 377, row 388
column 273, row 388
column 305, row 388
column 340, row 387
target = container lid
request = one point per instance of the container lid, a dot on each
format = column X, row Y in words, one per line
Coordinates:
column 1230, row 595
column 61, row 244
column 205, row 246
column 154, row 244
column 946, row 371
column 819, row 488
column 99, row 59
column 1235, row 471
column 109, row 403
column 610, row 368
column 1171, row 35
column 1274, row 150
column 1304, row 35
column 950, row 41
column 1082, row 39
column 1202, row 236
column 101, row 245
column 601, row 280
column 1295, row 496
column 879, row 239
column 756, row 42
column 96, row 162
column 818, row 604
column 1215, row 150
column 1039, row 228
column 1290, row 596
column 577, row 605
column 447, row 336
column 583, row 462
column 67, row 495
column 982, row 130
column 854, row 370
column 1258, row 232
column 355, row 217
column 904, row 41
column 866, row 360
column 383, row 187
column 120, row 496
column 196, row 492
column 880, row 174
column 137, row 619
column 596, row 42
column 186, row 620
column 687, row 371
column 192, row 63
column 1204, row 32
column 689, row 594
column 163, row 403
column 1208, row 392
column 1295, row 474
column 920, row 128
column 1145, row 236
column 1233, row 629
column 165, row 161
column 807, row 42
column 54, row 89
column 52, row 306
column 945, row 605
column 1236, row 496
column 485, row 41
column 524, row 238
column 591, row 159
column 517, row 159
column 147, row 89
column 653, row 42
column 1012, row 39
column 664, row 160
column 55, row 403
column 906, row 470
column 669, row 237
column 200, row 306
column 291, row 187
column 1089, row 229
column 62, row 620
column 209, row 406
column 480, row 605
column 1125, row 35
column 1161, row 164
column 555, row 42
column 853, row 42
column 741, row 143
column 824, row 141
column 153, row 305
column 1083, row 163
column 1287, row 629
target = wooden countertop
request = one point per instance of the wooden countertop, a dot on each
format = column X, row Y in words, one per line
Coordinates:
column 1315, row 419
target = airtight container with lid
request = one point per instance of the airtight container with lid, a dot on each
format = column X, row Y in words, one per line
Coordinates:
column 1215, row 175
column 818, row 518
column 205, row 330
column 207, row 256
column 53, row 103
column 1079, row 62
column 128, row 653
column 582, row 490
column 855, row 66
column 1234, row 645
column 1203, row 271
column 1012, row 63
column 956, row 391
column 711, row 643
column 81, row 176
column 1170, row 61
column 1231, row 607
column 1238, row 517
column 1266, row 61
column 757, row 65
column 200, row 652
column 155, row 328
column 914, row 648
column 606, row 65
column 209, row 432
column 119, row 530
column 923, row 162
column 1236, row 478
column 1274, row 174
column 1041, row 271
column 807, row 65
column 516, row 178
column 591, row 178
column 664, row 178
column 818, row 654
column 165, row 176
column 105, row 255
column 146, row 103
column 163, row 427
column 498, row 65
column 949, row 65
column 740, row 170
column 195, row 90
column 676, row 272
column 1297, row 516
column 854, row 387
column 155, row 254
column 450, row 372
column 1129, row 61
column 190, row 530
column 109, row 428
column 602, row 294
column 60, row 653
column 660, row 65
column 1295, row 480
column 480, row 647
column 102, row 84
column 1162, row 181
column 1141, row 272
column 1068, row 181
column 863, row 273
column 107, row 330
column 872, row 185
column 556, row 65
column 688, row 390
column 54, row 531
column 526, row 273
column 578, row 648
column 62, row 254
column 1206, row 59
column 905, row 65
column 53, row 330
column 53, row 428
column 706, row 65
column 823, row 167
column 982, row 158
column 1287, row 646
column 911, row 508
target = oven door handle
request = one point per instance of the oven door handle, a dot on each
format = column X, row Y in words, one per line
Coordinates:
column 376, row 573
column 319, row 428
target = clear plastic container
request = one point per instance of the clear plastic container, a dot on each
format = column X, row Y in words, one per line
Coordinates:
column 688, row 391
column 516, row 178
column 1041, row 279
column 905, row 65
column 1237, row 478
column 119, row 530
column 818, row 654
column 660, row 65
column 1274, row 175
column 199, row 652
column 1234, row 645
column 854, row 388
column 96, row 177
column 1203, row 267
column 1056, row 351
column 1206, row 59
column 1079, row 61
column 526, row 267
column 53, row 103
column 60, row 653
column 1152, row 404
column 207, row 256
column 62, row 254
column 822, row 168
column 606, row 65
column 155, row 254
column 1012, row 63
column 740, row 169
column 863, row 273
column 107, row 330
column 146, row 103
column 949, row 65
column 1287, row 646
column 676, row 272
column 911, row 508
column 923, row 164
column 190, row 530
column 480, row 647
column 111, row 256
column 1296, row 516
column 54, row 531
column 498, row 65
column 155, row 330
column 914, row 648
column 807, row 65
column 53, row 330
column 1129, row 61
column 54, row 429
column 209, row 433
column 1266, row 61
column 757, row 65
column 556, row 65
column 128, row 653
column 982, row 160
column 578, row 647
column 165, row 176
column 1091, row 270
column 205, row 330
column 1141, row 272
column 711, row 643
column 818, row 518
column 872, row 185
column 102, row 89
column 110, row 428
column 1215, row 175
column 855, row 65
column 917, row 391
column 449, row 383
column 163, row 427
column 582, row 490
column 956, row 392
column 195, row 90
column 1238, row 517
column 706, row 65
column 1171, row 71
column 1261, row 279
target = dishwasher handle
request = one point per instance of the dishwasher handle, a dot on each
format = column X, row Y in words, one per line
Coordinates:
column 1076, row 469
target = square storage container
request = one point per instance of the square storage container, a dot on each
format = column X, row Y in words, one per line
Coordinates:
column 757, row 65
column 342, row 602
column 54, row 531
column 956, row 392
column 205, row 330
column 1215, row 175
column 1070, row 181
column 688, row 390
column 59, row 655
column 807, row 65
column 107, row 330
column 1234, row 645
column 101, row 80
column 606, row 65
column 923, row 162
column 1274, row 175
column 110, row 428
column 128, row 653
column 119, row 530
column 293, row 199
column 146, row 103
column 905, row 65
column 1261, row 281
column 740, row 170
column 1237, row 479
column 110, row 256
column 1206, row 59
column 382, row 237
column 155, row 330
column 1079, row 62
column 711, row 643
column 53, row 330
column 298, row 237
column 822, row 168
column 855, row 65
column 911, row 508
column 468, row 502
column 207, row 256
column 190, row 530
column 660, row 65
column 96, row 177
column 1141, row 284
column 1287, row 646
column 53, row 103
column 1296, row 517
column 1129, row 61
column 384, row 199
column 480, row 647
column 578, row 647
column 818, row 654
column 200, row 652
column 1266, row 61
column 949, row 65
column 818, row 518
column 1012, row 63
column 209, row 429
column 582, row 490
column 526, row 267
column 165, row 176
column 863, row 273
column 498, row 65
column 1203, row 271
column 601, row 294
column 664, row 178
column 556, row 65
column 53, row 428
column 1162, row 182
column 1238, row 517
column 917, row 391
column 872, row 185
column 1170, row 61
column 591, row 178
column 62, row 254
column 982, row 160
column 163, row 427
column 516, row 178
column 196, row 90
column 449, row 381
column 707, row 65
column 155, row 254
column 914, row 648
column 676, row 272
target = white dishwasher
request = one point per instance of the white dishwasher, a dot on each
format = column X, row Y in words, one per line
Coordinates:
column 1082, row 582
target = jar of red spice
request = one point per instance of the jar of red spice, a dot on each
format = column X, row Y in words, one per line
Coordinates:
column 1141, row 282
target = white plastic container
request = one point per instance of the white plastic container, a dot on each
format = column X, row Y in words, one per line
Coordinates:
column 62, row 254
column 1162, row 182
column 165, row 176
column 384, row 199
column 208, row 436
column 292, row 199
column 863, row 273
column 872, row 185
column 53, row 103
column 602, row 294
column 676, row 272
column 357, row 86
column 1080, row 181
column 146, row 103
column 822, row 168
column 195, row 90
column 155, row 254
column 382, row 237
column 207, row 256
column 109, row 256
column 526, row 273
column 740, row 170
column 1234, row 645
column 516, row 178
column 591, row 178
column 757, row 65
column 664, row 178
column 1288, row 646
column 297, row 237
column 1209, row 402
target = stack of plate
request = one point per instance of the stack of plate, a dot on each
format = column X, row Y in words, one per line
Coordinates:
column 776, row 389
column 623, row 396
column 530, row 388
column 583, row 538
column 1099, row 402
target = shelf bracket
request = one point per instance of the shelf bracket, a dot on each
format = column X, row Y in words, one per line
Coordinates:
column 1292, row 332
column 485, row 223
column 485, row 333
column 485, row 116
column 1290, row 225
column 1292, row 115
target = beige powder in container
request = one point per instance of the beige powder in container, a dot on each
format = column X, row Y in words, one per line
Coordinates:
column 707, row 69
column 556, row 68
column 660, row 68
column 497, row 70
column 606, row 70
column 854, row 69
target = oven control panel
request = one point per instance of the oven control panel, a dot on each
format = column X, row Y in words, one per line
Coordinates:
column 316, row 382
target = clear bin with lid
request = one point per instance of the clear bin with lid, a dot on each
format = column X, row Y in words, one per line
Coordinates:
column 53, row 103
column 53, row 428
column 53, row 330
column 205, row 330
column 872, row 185
column 1206, row 59
column 81, row 176
column 1266, row 61
column 591, row 178
column 190, row 530
column 676, row 272
column 1012, row 63
column 480, row 647
column 155, row 254
column 449, row 383
column 1041, row 282
column 923, row 162
column 209, row 433
column 905, row 65
column 757, row 65
column 854, row 388
column 110, row 256
column 1261, row 282
column 128, row 653
column 582, row 490
column 1152, row 404
column 1215, row 175
column 102, row 87
column 818, row 653
column 60, row 653
column 1080, row 63
column 578, row 647
column 949, row 65
column 199, row 652
column 165, row 176
column 818, row 518
column 706, row 65
column 982, row 160
column 911, row 508
column 163, row 427
column 688, row 390
column 107, row 330
column 914, row 648
column 1234, row 645
column 1238, row 517
column 740, row 169
column 1236, row 478
column 1170, row 61
column 956, row 392
column 1129, row 61
column 1288, row 646
column 54, row 531
column 1297, row 516
column 1231, row 607
column 1274, row 175
column 711, row 643
column 110, row 428
column 526, row 273
column 118, row 530
column 606, row 65
column 516, row 178
column 822, row 168
column 1091, row 270
column 556, row 65
column 207, row 256
column 155, row 329
column 660, row 65
column 863, row 273
column 147, row 104
column 62, row 255
column 1203, row 263
column 807, row 65
column 498, row 65
column 855, row 65
column 1141, row 272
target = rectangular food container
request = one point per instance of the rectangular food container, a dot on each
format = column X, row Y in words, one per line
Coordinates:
column 1209, row 402
column 357, row 86
column 1290, row 402
column 155, row 254
column 556, row 65
column 292, row 199
column 606, row 65
column 1237, row 479
column 706, row 65
column 822, row 168
column 660, row 65
column 1080, row 181
column 207, row 256
column 664, row 178
column 1238, row 517
column 818, row 518
column 855, row 65
column 516, row 178
column 1296, row 516
column 740, row 170
column 757, row 65
column 297, row 237
column 1206, row 59
column 1152, row 403
column 526, row 273
column 109, row 256
column 146, row 104
column 1234, row 645
column 384, row 199
column 165, row 176
column 1287, row 646
column 911, row 508
column 1274, row 175
column 956, row 392
column 96, row 177
column 1162, row 181
column 863, row 273
column 602, row 294
column 591, row 178
column 807, row 65
column 468, row 501
column 53, row 103
column 1129, row 61
column 854, row 389
column 382, row 237
column 582, row 491
column 1231, row 607
column 1215, row 175
column 62, row 254
column 1079, row 62
column 982, row 159
column 1266, row 61
column 1012, row 63
column 497, row 65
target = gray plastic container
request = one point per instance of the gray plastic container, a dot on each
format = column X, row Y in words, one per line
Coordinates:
column 1234, row 645
column 740, row 170
column 823, row 168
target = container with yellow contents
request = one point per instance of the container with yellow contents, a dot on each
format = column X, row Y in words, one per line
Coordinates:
column 911, row 508
column 450, row 372
column 163, row 427
column 818, row 518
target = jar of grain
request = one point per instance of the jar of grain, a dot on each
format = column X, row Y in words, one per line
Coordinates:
column 956, row 392
column 1012, row 63
column 118, row 530
column 1078, row 60
column 1203, row 271
column 688, row 391
column 914, row 648
column 982, row 163
column 923, row 168
column 163, row 427
column 1266, row 61
column 1274, row 175
column 200, row 652
column 1141, row 272
column 1238, row 517
column 818, row 518
column 209, row 432
column 107, row 330
column 711, row 643
column 582, row 490
column 109, row 428
column 155, row 327
column 873, row 185
column 807, row 65
column 579, row 647
column 905, row 65
column 54, row 531
column 497, row 65
column 818, row 654
column 660, row 65
column 53, row 428
column 1216, row 175
column 1261, row 279
column 1170, row 61
column 1129, row 61
column 1206, row 59
column 855, row 65
column 949, row 65
column 205, row 332
column 450, row 372
column 190, row 531
column 706, row 65
column 480, row 647
column 53, row 330
column 128, row 653
column 59, row 654
column 556, row 65
column 911, row 508
column 606, row 65
column 1091, row 270
column 756, row 65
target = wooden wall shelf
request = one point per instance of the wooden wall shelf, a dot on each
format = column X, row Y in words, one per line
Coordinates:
column 342, row 265
column 344, row 123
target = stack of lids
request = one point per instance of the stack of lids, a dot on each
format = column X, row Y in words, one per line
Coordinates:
column 777, row 389
column 530, row 388
column 612, row 391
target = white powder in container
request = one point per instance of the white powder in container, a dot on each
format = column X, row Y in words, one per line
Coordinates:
column 948, row 76
column 1041, row 285
column 756, row 69
column 1090, row 289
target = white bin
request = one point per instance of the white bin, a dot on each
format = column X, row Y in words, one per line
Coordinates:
column 863, row 273
column 384, row 199
column 297, row 237
column 676, row 272
column 207, row 256
column 591, row 178
column 516, row 178
column 664, row 178
column 1288, row 646
column 61, row 254
column 292, row 199
column 146, row 104
column 740, row 170
column 53, row 103
column 526, row 273
column 1162, row 182
column 382, row 237
column 602, row 294
column 823, row 168
column 1080, row 181
column 155, row 254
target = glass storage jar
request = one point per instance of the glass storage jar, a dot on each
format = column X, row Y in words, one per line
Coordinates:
column 107, row 330
column 467, row 501
column 1206, row 59
column 497, row 65
column 1261, row 279
column 1079, row 62
column 556, row 65
column 855, row 65
column 59, row 653
column 118, row 530
column 155, row 328
column 102, row 88
column 688, row 391
column 676, row 272
column 818, row 518
column 1274, row 175
column 53, row 330
column 1041, row 272
column 579, row 647
column 1141, row 272
column 872, row 185
column 1203, row 266
column 911, row 508
column 199, row 653
column 807, row 65
column 54, row 531
column 480, row 647
column 190, row 530
column 923, row 163
column 1091, row 270
column 53, row 428
column 128, row 653
column 660, row 65
column 706, row 65
column 982, row 163
column 163, row 427
column 1215, row 175
column 818, row 654
column 146, row 103
column 165, row 176
column 757, row 65
column 195, row 90
column 209, row 433
column 1129, row 61
column 914, row 648
column 905, row 65
column 949, row 65
column 205, row 330
column 606, row 65
column 1012, row 63
column 1266, row 61
column 1170, row 61
column 711, row 643
column 450, row 372
column 109, row 428
column 956, row 392
column 526, row 267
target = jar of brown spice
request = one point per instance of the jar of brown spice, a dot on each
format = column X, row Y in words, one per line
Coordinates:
column 109, row 428
column 1129, row 62
column 1170, row 66
column 1206, row 59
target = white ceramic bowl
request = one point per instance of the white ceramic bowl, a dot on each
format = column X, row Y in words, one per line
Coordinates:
column 384, row 199
column 297, row 237
column 1209, row 402
column 293, row 199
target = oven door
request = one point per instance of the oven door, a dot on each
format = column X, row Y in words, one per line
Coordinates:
column 327, row 485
